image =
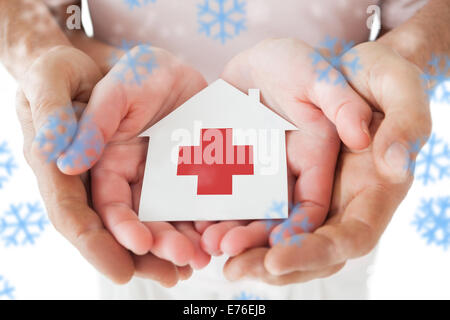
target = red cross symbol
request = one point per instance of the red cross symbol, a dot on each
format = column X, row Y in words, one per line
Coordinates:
column 215, row 161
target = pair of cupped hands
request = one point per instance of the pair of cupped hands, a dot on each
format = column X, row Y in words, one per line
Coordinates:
column 349, row 193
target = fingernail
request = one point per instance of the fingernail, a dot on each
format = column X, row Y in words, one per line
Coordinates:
column 397, row 158
column 365, row 128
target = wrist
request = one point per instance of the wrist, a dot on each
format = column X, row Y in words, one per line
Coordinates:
column 424, row 34
column 410, row 43
column 25, row 38
column 19, row 59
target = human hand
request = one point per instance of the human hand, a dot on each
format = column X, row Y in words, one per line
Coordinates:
column 59, row 79
column 283, row 71
column 116, row 113
column 369, row 184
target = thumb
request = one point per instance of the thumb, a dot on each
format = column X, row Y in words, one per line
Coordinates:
column 143, row 86
column 407, row 123
column 394, row 87
column 52, row 82
column 349, row 112
column 108, row 106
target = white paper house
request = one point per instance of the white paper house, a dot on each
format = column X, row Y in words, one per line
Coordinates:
column 186, row 179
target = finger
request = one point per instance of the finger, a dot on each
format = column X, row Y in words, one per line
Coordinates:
column 292, row 80
column 170, row 244
column 185, row 272
column 201, row 226
column 250, row 264
column 112, row 195
column 345, row 108
column 303, row 219
column 314, row 176
column 66, row 202
column 213, row 235
column 150, row 267
column 393, row 85
column 200, row 258
column 130, row 106
column 241, row 238
column 50, row 85
column 352, row 236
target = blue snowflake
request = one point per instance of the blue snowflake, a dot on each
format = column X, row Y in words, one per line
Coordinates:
column 6, row 290
column 85, row 148
column 436, row 79
column 7, row 163
column 222, row 19
column 137, row 3
column 246, row 296
column 335, row 51
column 137, row 62
column 290, row 227
column 276, row 211
column 57, row 133
column 433, row 221
column 433, row 161
column 22, row 224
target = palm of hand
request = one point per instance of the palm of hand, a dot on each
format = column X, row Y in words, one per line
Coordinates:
column 368, row 185
column 121, row 111
column 289, row 86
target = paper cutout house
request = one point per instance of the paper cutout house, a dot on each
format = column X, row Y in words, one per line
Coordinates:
column 219, row 156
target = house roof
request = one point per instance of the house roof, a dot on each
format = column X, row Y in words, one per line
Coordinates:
column 220, row 105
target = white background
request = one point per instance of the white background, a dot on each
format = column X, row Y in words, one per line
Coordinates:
column 406, row 267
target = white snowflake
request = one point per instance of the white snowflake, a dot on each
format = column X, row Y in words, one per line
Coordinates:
column 22, row 224
column 222, row 19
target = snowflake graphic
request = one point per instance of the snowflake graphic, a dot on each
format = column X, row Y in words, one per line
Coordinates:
column 290, row 227
column 137, row 3
column 276, row 211
column 326, row 63
column 436, row 79
column 433, row 221
column 35, row 14
column 22, row 224
column 246, row 296
column 86, row 147
column 137, row 62
column 57, row 133
column 6, row 290
column 222, row 19
column 433, row 161
column 7, row 163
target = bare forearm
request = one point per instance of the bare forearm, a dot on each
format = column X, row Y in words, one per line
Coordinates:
column 427, row 32
column 27, row 29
